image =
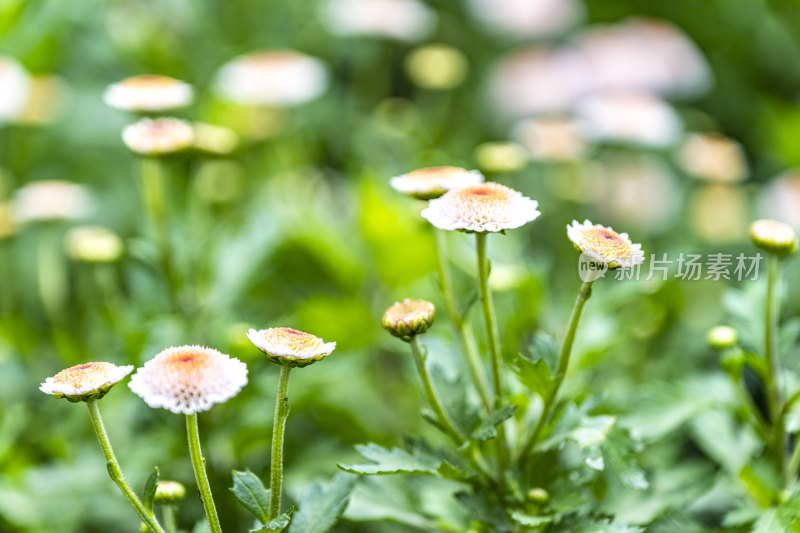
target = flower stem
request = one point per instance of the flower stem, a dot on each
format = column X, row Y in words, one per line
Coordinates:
column 199, row 466
column 279, row 425
column 493, row 340
column 464, row 330
column 155, row 204
column 430, row 391
column 116, row 472
column 168, row 514
column 773, row 382
column 549, row 400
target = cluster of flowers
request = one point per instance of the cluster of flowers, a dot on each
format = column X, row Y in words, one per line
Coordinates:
column 188, row 380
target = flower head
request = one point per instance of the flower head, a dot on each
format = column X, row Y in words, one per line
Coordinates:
column 89, row 381
column 722, row 337
column 168, row 492
column 148, row 93
column 51, row 200
column 403, row 20
column 481, row 208
column 713, row 157
column 158, row 136
column 289, row 347
column 189, row 379
column 281, row 78
column 627, row 116
column 93, row 244
column 432, row 182
column 773, row 236
column 605, row 245
column 408, row 318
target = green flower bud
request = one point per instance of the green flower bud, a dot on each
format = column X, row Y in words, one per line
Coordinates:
column 538, row 494
column 773, row 236
column 408, row 318
column 168, row 492
column 722, row 337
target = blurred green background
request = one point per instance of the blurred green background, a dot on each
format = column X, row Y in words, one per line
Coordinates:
column 299, row 227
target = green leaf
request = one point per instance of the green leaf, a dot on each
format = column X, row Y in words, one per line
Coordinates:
column 449, row 471
column 150, row 487
column 323, row 504
column 721, row 438
column 544, row 347
column 276, row 524
column 487, row 428
column 252, row 494
column 394, row 461
column 535, row 375
column 531, row 521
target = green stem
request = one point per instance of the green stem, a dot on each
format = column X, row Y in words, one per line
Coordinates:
column 433, row 397
column 116, row 472
column 794, row 463
column 465, row 332
column 279, row 425
column 168, row 515
column 154, row 199
column 549, row 400
column 773, row 382
column 493, row 340
column 199, row 466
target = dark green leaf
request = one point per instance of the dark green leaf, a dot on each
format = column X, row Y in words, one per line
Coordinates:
column 150, row 487
column 252, row 494
column 323, row 504
column 487, row 429
column 544, row 347
column 394, row 461
column 277, row 524
column 535, row 375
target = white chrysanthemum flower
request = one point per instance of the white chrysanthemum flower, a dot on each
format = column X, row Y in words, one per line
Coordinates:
column 289, row 347
column 93, row 244
column 481, row 208
column 189, row 379
column 644, row 54
column 630, row 117
column 432, row 182
column 551, row 138
column 713, row 157
column 51, row 200
column 89, row 381
column 148, row 93
column 158, row 136
column 281, row 78
column 538, row 80
column 605, row 245
column 14, row 88
column 527, row 18
column 404, row 20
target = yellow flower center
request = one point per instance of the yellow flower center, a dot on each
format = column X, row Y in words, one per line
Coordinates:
column 80, row 375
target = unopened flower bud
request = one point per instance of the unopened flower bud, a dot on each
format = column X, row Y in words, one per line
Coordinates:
column 722, row 337
column 773, row 236
column 408, row 318
column 168, row 492
column 538, row 494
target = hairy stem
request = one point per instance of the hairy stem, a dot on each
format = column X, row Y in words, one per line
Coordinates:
column 549, row 400
column 199, row 466
column 465, row 332
column 115, row 471
column 773, row 382
column 279, row 425
column 493, row 340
